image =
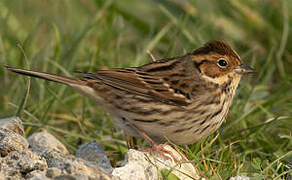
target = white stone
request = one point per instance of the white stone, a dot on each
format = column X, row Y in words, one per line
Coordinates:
column 46, row 140
column 144, row 165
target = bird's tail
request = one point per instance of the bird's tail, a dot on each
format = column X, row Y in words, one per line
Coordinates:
column 46, row 76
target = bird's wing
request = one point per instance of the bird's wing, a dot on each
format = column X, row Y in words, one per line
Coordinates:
column 141, row 83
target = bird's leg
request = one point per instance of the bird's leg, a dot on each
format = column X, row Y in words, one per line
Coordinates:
column 159, row 148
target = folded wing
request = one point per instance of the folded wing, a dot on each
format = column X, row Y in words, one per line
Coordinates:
column 140, row 83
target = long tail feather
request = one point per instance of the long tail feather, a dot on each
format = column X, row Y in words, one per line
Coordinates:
column 46, row 76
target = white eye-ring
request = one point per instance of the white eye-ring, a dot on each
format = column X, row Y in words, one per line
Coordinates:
column 222, row 63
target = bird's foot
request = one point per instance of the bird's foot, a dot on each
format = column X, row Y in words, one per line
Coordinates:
column 158, row 148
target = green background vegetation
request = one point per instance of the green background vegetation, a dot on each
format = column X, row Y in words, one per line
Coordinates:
column 65, row 36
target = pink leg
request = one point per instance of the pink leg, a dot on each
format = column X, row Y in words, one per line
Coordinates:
column 156, row 147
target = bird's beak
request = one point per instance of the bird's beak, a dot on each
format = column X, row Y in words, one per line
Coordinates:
column 244, row 69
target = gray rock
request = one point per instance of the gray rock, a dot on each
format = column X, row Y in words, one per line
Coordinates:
column 53, row 172
column 11, row 141
column 37, row 175
column 144, row 165
column 71, row 165
column 71, row 177
column 30, row 161
column 16, row 164
column 51, row 165
column 240, row 178
column 13, row 123
column 44, row 140
column 94, row 153
column 47, row 158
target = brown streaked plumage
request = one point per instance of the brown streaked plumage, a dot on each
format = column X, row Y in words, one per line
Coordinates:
column 182, row 99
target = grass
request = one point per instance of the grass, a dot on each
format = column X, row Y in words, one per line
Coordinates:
column 64, row 36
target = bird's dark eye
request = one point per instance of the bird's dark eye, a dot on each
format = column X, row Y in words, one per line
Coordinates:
column 222, row 63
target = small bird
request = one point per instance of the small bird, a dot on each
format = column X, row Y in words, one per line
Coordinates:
column 182, row 99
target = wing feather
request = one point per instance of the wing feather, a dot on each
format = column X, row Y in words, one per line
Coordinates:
column 140, row 83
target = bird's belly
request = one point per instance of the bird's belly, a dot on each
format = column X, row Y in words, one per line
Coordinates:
column 162, row 121
column 157, row 120
column 193, row 132
column 178, row 127
column 196, row 128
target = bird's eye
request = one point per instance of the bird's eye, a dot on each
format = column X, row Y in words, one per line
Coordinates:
column 222, row 63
